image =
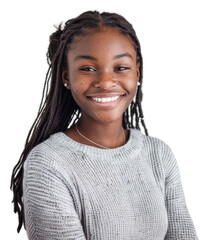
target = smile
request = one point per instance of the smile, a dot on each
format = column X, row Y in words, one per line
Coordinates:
column 104, row 100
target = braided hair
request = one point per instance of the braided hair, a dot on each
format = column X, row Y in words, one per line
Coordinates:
column 57, row 109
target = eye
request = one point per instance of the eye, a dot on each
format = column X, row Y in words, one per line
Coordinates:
column 121, row 68
column 87, row 69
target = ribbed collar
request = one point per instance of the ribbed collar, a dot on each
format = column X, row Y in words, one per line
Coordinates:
column 131, row 148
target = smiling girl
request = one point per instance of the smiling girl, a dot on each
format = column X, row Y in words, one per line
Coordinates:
column 87, row 170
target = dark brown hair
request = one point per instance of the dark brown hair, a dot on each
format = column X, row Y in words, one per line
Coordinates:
column 58, row 110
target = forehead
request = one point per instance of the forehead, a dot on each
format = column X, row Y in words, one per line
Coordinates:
column 106, row 41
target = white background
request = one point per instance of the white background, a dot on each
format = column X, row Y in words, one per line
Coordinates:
column 173, row 39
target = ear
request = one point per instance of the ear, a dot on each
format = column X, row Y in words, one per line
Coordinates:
column 138, row 74
column 65, row 79
column 138, row 71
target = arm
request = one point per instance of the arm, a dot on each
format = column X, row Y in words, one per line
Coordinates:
column 48, row 206
column 180, row 223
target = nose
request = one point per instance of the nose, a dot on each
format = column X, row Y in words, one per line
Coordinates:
column 105, row 80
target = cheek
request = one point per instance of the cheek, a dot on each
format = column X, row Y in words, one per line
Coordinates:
column 132, row 86
column 78, row 85
column 130, row 83
column 78, row 89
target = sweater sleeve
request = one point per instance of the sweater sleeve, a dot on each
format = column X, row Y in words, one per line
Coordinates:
column 48, row 205
column 180, row 224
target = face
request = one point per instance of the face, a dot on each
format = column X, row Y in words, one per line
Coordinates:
column 102, row 74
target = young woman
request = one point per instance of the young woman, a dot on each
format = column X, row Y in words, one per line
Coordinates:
column 87, row 170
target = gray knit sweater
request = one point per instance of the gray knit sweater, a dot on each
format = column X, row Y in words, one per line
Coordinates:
column 75, row 191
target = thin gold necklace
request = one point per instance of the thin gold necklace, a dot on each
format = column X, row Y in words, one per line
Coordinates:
column 95, row 142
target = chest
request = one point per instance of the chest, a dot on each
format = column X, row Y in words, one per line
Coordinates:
column 123, row 201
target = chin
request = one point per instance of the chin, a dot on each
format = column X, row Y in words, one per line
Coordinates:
column 107, row 119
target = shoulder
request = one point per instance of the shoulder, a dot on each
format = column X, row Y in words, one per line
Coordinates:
column 48, row 164
column 158, row 151
column 48, row 154
column 151, row 142
column 161, row 157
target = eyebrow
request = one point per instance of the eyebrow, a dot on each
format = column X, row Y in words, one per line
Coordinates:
column 95, row 59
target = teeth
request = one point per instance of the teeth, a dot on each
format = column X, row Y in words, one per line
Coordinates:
column 109, row 99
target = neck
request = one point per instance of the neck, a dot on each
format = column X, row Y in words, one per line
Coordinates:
column 109, row 135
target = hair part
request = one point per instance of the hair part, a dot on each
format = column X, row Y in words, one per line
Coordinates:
column 57, row 109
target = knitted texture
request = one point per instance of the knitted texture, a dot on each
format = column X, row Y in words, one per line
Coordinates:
column 73, row 191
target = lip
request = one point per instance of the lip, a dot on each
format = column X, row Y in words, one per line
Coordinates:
column 105, row 95
column 106, row 105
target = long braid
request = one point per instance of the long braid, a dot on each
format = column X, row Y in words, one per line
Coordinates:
column 57, row 109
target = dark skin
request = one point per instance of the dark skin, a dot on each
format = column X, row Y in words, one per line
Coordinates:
column 110, row 71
